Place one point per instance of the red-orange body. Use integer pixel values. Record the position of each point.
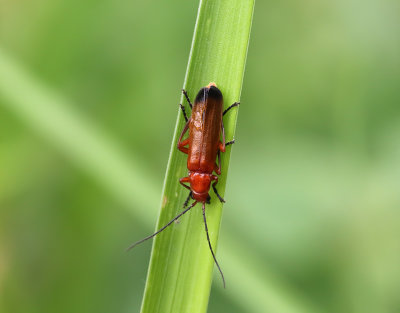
(204, 143)
(203, 147)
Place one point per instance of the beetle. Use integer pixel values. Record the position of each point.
(203, 147)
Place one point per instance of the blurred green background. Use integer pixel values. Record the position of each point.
(312, 219)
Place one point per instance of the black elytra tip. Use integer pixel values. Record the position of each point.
(210, 91)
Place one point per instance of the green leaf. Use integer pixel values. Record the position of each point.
(180, 273)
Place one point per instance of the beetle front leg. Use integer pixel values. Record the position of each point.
(187, 200)
(184, 180)
(215, 189)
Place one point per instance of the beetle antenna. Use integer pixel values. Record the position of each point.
(209, 243)
(160, 230)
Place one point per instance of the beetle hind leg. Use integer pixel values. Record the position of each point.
(182, 107)
(187, 97)
(183, 112)
(230, 107)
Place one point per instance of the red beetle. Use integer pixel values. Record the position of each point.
(203, 147)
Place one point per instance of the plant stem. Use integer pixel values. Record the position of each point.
(180, 272)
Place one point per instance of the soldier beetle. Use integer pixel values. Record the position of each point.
(203, 147)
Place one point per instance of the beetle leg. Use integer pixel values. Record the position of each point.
(217, 168)
(230, 142)
(187, 200)
(187, 97)
(215, 189)
(182, 144)
(184, 180)
(222, 144)
(183, 112)
(230, 107)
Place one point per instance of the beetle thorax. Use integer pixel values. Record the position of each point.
(200, 185)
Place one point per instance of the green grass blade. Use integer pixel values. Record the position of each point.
(181, 266)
